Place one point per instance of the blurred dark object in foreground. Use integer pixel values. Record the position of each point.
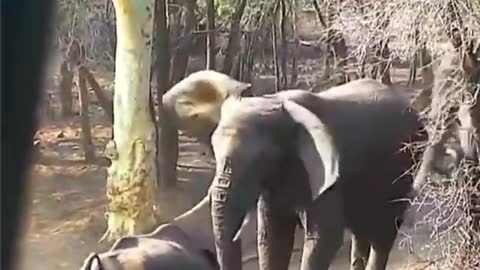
(25, 35)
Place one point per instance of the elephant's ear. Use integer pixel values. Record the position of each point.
(316, 149)
(201, 95)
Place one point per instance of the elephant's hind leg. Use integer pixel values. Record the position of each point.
(359, 253)
(324, 227)
(276, 233)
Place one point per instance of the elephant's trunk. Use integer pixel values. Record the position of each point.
(226, 221)
(426, 168)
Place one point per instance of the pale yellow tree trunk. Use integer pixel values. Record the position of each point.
(131, 181)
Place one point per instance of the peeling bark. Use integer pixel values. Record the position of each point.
(131, 182)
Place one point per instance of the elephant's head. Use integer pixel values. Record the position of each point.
(193, 104)
(469, 112)
(253, 138)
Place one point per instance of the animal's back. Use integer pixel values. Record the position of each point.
(156, 254)
(370, 121)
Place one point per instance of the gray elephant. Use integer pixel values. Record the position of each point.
(330, 160)
(455, 95)
(185, 243)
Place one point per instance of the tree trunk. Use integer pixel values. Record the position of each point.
(385, 63)
(276, 69)
(182, 52)
(131, 182)
(425, 68)
(234, 37)
(294, 75)
(284, 45)
(412, 74)
(340, 54)
(167, 136)
(88, 147)
(105, 102)
(211, 34)
(66, 83)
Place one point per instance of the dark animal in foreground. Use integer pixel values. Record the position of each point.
(331, 160)
(184, 244)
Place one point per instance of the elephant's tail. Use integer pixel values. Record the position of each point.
(89, 262)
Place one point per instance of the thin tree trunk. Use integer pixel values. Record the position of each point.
(211, 34)
(385, 63)
(234, 37)
(105, 102)
(362, 62)
(294, 76)
(168, 135)
(425, 68)
(86, 134)
(412, 75)
(112, 36)
(276, 68)
(182, 52)
(327, 47)
(66, 83)
(131, 181)
(248, 58)
(236, 71)
(284, 45)
(340, 55)
(47, 106)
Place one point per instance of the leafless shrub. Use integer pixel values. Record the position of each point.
(90, 22)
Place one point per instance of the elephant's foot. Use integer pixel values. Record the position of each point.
(359, 253)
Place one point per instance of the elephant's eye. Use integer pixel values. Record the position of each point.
(194, 116)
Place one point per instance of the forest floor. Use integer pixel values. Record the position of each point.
(67, 204)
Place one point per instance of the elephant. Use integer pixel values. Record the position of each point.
(330, 161)
(185, 243)
(455, 91)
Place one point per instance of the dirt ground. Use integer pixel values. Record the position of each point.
(66, 217)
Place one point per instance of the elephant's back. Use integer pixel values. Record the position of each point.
(171, 256)
(370, 123)
(157, 254)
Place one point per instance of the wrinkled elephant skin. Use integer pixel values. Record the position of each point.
(331, 160)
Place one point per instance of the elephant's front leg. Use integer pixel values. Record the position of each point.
(324, 227)
(276, 232)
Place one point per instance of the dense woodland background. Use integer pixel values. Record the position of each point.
(275, 45)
